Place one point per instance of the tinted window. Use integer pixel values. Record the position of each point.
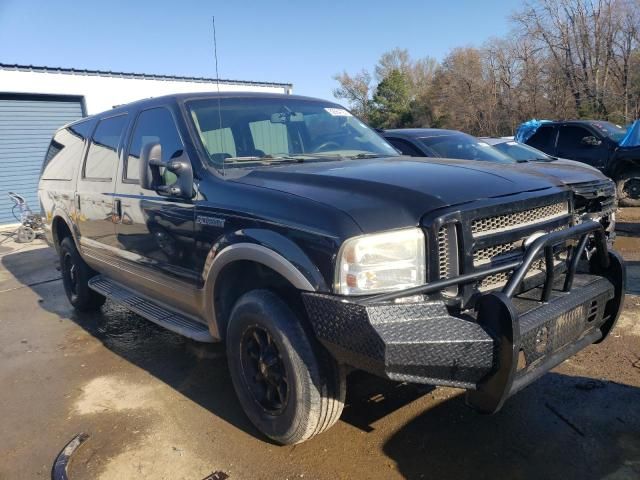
(542, 139)
(458, 145)
(405, 147)
(102, 158)
(65, 152)
(153, 126)
(522, 152)
(570, 138)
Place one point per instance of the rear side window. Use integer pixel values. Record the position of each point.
(102, 158)
(543, 139)
(155, 125)
(65, 152)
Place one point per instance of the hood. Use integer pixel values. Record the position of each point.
(409, 187)
(565, 171)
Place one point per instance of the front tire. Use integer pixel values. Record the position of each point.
(75, 278)
(288, 385)
(628, 187)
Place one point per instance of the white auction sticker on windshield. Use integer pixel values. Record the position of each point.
(512, 143)
(337, 112)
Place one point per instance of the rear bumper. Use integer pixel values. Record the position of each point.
(509, 342)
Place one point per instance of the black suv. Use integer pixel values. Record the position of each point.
(287, 228)
(596, 143)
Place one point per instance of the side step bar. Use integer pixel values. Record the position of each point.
(150, 310)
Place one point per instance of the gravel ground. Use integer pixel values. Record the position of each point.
(158, 406)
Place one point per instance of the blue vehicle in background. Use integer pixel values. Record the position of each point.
(612, 149)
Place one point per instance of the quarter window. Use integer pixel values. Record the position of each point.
(155, 125)
(65, 152)
(102, 158)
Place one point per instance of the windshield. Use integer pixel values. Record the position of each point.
(608, 129)
(245, 132)
(462, 146)
(522, 152)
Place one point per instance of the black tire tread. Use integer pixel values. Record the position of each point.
(326, 378)
(620, 182)
(87, 300)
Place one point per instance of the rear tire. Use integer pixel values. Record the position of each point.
(628, 188)
(288, 385)
(75, 278)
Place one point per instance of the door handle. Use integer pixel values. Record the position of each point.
(117, 210)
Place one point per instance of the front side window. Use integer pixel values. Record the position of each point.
(155, 125)
(254, 131)
(102, 158)
(571, 138)
(461, 146)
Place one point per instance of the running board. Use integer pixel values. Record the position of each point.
(150, 310)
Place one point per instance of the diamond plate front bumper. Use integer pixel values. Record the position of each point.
(509, 341)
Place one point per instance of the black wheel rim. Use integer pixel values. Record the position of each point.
(264, 370)
(632, 188)
(70, 272)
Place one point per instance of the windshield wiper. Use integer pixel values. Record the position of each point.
(362, 155)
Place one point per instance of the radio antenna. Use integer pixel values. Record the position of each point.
(215, 55)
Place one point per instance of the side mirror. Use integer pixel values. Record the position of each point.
(151, 174)
(591, 141)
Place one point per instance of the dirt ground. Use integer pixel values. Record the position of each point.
(158, 406)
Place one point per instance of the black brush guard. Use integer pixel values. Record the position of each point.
(512, 340)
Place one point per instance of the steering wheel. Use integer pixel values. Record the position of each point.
(324, 146)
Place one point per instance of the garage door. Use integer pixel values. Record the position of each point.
(27, 123)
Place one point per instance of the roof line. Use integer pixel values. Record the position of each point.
(142, 76)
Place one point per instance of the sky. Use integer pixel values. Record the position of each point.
(304, 43)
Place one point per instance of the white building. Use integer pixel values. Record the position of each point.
(35, 101)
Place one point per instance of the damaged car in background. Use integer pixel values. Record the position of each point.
(610, 148)
(594, 193)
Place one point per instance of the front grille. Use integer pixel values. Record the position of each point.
(545, 218)
(499, 223)
(448, 265)
(500, 279)
(486, 255)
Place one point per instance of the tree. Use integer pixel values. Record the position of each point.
(356, 91)
(392, 101)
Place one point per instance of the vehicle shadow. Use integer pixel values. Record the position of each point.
(559, 427)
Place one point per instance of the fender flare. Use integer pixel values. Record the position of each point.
(254, 252)
(64, 217)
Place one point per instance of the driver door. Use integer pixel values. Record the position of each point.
(581, 144)
(155, 233)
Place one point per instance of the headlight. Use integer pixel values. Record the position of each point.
(381, 262)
